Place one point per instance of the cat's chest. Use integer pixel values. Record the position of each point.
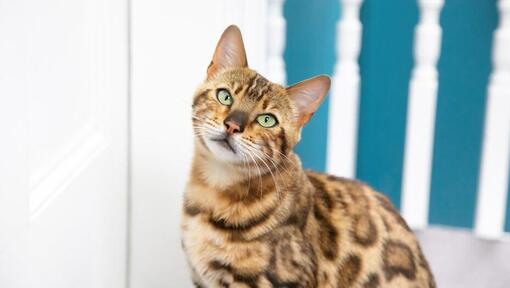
(212, 254)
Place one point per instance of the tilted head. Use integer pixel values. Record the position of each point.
(240, 117)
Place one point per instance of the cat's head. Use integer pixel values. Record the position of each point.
(241, 117)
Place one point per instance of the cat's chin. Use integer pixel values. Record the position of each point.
(223, 151)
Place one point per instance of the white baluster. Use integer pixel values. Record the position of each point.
(343, 105)
(493, 181)
(276, 39)
(421, 112)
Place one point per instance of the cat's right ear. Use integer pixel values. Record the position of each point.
(229, 52)
(307, 96)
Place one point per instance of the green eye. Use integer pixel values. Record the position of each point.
(224, 97)
(267, 120)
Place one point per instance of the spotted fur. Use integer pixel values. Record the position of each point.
(252, 217)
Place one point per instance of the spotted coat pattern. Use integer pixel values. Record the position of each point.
(281, 226)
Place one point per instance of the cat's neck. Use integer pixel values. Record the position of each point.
(215, 173)
(233, 196)
(221, 175)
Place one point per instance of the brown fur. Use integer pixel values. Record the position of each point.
(265, 222)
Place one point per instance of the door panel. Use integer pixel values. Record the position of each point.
(63, 165)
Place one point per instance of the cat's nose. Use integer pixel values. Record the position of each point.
(232, 127)
(236, 121)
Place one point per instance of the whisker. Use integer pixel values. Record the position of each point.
(258, 168)
(256, 154)
(271, 172)
(288, 160)
(244, 158)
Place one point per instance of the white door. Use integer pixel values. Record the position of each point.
(63, 143)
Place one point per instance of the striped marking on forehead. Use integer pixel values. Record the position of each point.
(258, 86)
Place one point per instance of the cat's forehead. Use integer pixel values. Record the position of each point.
(250, 86)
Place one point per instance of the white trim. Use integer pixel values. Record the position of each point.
(493, 181)
(421, 116)
(276, 42)
(343, 103)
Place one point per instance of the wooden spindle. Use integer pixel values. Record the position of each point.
(493, 181)
(343, 105)
(275, 42)
(421, 112)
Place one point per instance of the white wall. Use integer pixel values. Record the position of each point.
(172, 43)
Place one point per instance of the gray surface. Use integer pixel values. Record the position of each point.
(459, 259)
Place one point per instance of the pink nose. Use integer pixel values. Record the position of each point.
(232, 127)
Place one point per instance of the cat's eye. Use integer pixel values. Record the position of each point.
(267, 120)
(224, 97)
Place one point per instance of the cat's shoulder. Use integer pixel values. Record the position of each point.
(333, 178)
(351, 190)
(327, 181)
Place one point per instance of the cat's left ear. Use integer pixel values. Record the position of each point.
(229, 52)
(307, 96)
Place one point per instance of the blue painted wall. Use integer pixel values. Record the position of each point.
(386, 61)
(464, 68)
(310, 50)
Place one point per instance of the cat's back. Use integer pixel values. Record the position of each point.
(362, 238)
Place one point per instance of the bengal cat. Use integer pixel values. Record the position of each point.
(252, 217)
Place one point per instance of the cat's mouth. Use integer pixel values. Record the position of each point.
(225, 143)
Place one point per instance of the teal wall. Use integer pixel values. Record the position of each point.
(310, 50)
(464, 68)
(386, 61)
